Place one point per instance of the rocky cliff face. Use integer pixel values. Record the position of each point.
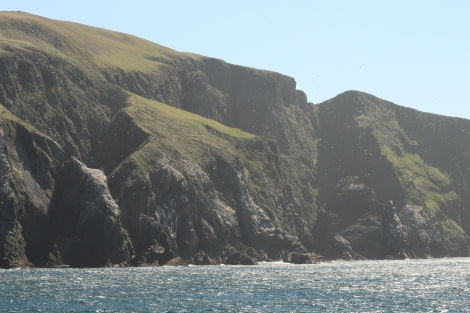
(114, 150)
(84, 219)
(13, 244)
(50, 214)
(28, 161)
(373, 158)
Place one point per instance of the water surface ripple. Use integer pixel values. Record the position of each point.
(439, 285)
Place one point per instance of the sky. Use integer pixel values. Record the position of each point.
(413, 53)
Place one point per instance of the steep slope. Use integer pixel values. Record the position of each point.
(83, 91)
(115, 150)
(377, 165)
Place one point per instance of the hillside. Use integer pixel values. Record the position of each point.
(116, 150)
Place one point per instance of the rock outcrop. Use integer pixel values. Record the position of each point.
(305, 258)
(13, 252)
(340, 248)
(383, 231)
(240, 258)
(28, 162)
(201, 258)
(412, 231)
(85, 219)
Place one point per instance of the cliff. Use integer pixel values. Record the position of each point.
(115, 150)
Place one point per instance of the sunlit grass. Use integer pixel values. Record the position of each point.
(453, 233)
(172, 129)
(421, 182)
(77, 42)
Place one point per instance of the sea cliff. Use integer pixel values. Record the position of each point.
(118, 151)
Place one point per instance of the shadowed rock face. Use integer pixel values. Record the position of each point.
(85, 219)
(27, 169)
(101, 163)
(11, 238)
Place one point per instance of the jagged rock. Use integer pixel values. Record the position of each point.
(27, 168)
(201, 258)
(340, 248)
(180, 186)
(177, 261)
(409, 231)
(257, 254)
(12, 252)
(394, 235)
(152, 245)
(155, 255)
(86, 219)
(420, 232)
(305, 258)
(240, 258)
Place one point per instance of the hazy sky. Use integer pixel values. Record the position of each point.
(413, 53)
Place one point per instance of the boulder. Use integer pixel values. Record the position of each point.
(240, 258)
(340, 248)
(201, 258)
(305, 258)
(176, 261)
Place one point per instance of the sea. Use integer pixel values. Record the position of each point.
(431, 285)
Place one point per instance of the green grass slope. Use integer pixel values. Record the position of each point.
(80, 43)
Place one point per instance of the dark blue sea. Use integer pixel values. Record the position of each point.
(438, 285)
